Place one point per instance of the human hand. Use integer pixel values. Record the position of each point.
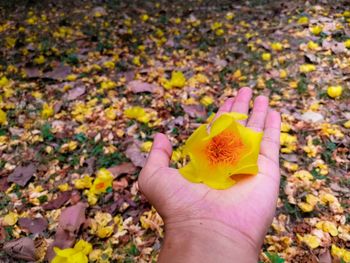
(206, 225)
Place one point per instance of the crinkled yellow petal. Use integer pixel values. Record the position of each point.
(217, 172)
(67, 252)
(189, 173)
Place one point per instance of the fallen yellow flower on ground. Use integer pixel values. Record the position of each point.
(137, 113)
(303, 20)
(229, 148)
(334, 91)
(3, 117)
(340, 253)
(266, 56)
(146, 146)
(10, 219)
(47, 111)
(316, 30)
(207, 100)
(328, 227)
(276, 46)
(104, 179)
(306, 68)
(177, 80)
(77, 254)
(310, 240)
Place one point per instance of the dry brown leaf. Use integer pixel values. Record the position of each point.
(22, 174)
(124, 168)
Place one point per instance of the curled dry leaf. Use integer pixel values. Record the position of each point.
(137, 86)
(58, 202)
(22, 174)
(35, 225)
(137, 157)
(22, 248)
(195, 111)
(75, 93)
(69, 224)
(58, 73)
(123, 168)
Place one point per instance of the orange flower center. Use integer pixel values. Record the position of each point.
(225, 147)
(100, 186)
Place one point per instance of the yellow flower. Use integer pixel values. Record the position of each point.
(3, 117)
(207, 100)
(310, 240)
(346, 43)
(10, 219)
(109, 64)
(346, 124)
(346, 13)
(316, 30)
(303, 20)
(303, 175)
(283, 74)
(82, 183)
(310, 148)
(177, 80)
(146, 146)
(108, 84)
(63, 187)
(230, 15)
(144, 17)
(266, 56)
(334, 91)
(288, 142)
(328, 227)
(71, 77)
(305, 207)
(306, 68)
(104, 179)
(341, 253)
(47, 111)
(110, 113)
(137, 113)
(136, 61)
(177, 155)
(4, 81)
(219, 32)
(228, 149)
(293, 84)
(276, 46)
(103, 232)
(78, 254)
(216, 25)
(312, 45)
(39, 60)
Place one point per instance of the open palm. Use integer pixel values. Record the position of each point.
(246, 209)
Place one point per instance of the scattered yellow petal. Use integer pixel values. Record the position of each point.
(146, 146)
(207, 100)
(306, 68)
(303, 20)
(334, 91)
(266, 56)
(10, 219)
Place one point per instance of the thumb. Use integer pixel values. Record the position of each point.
(159, 156)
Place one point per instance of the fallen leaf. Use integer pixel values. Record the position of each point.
(137, 157)
(137, 86)
(22, 174)
(58, 73)
(69, 224)
(58, 202)
(123, 168)
(33, 72)
(35, 225)
(195, 111)
(75, 93)
(22, 248)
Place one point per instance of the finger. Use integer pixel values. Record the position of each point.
(226, 107)
(257, 118)
(270, 144)
(241, 102)
(159, 155)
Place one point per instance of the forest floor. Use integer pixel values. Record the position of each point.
(69, 70)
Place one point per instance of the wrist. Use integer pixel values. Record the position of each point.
(203, 240)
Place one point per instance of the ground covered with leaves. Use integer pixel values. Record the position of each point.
(84, 86)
